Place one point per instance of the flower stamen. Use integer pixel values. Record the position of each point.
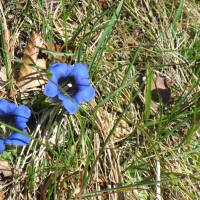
(68, 85)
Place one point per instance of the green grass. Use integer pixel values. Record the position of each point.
(113, 147)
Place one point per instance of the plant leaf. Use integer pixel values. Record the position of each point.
(31, 74)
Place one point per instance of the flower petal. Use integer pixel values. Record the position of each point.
(82, 81)
(17, 139)
(2, 146)
(70, 105)
(60, 70)
(6, 107)
(22, 116)
(51, 88)
(23, 111)
(85, 93)
(80, 73)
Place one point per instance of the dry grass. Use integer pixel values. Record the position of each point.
(114, 148)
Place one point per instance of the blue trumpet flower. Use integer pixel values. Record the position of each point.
(69, 85)
(16, 116)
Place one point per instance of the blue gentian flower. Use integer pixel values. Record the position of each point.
(16, 116)
(69, 85)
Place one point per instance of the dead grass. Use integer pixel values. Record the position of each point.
(140, 158)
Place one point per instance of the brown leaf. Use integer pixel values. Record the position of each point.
(160, 92)
(43, 188)
(5, 168)
(57, 48)
(30, 74)
(2, 196)
(9, 43)
(2, 74)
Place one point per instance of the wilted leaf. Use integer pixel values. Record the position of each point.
(2, 75)
(5, 168)
(43, 189)
(7, 46)
(56, 50)
(2, 82)
(1, 196)
(160, 92)
(31, 74)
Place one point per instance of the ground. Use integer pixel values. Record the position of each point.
(139, 138)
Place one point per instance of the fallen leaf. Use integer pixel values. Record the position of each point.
(160, 92)
(5, 168)
(56, 48)
(43, 188)
(31, 74)
(8, 50)
(2, 82)
(2, 76)
(1, 196)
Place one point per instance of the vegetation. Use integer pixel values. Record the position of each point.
(140, 137)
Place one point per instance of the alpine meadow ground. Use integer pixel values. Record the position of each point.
(139, 138)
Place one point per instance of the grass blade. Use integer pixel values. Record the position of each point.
(104, 38)
(177, 17)
(148, 93)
